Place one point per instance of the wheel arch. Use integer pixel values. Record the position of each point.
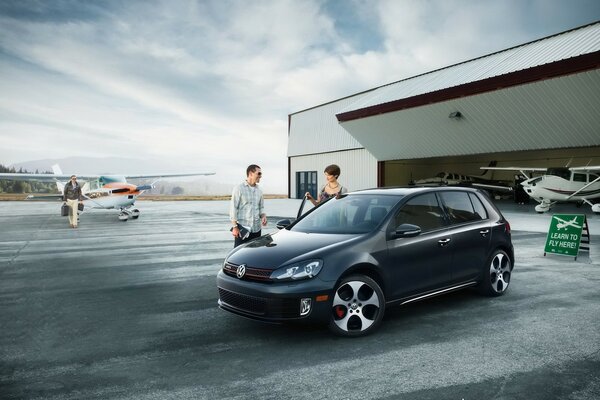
(366, 269)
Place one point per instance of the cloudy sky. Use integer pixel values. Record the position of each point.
(208, 85)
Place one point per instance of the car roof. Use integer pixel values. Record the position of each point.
(404, 191)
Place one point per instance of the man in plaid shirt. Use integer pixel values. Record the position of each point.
(246, 210)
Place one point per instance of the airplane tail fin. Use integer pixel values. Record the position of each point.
(492, 164)
(57, 171)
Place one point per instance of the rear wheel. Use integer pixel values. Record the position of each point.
(496, 274)
(358, 306)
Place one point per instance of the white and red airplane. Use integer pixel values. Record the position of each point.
(99, 191)
(563, 184)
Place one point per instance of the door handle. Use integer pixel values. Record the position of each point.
(484, 232)
(443, 242)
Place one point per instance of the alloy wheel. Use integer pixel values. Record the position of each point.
(358, 306)
(500, 272)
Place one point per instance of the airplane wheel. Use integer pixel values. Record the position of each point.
(135, 213)
(123, 217)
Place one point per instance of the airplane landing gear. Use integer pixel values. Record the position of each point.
(542, 207)
(125, 214)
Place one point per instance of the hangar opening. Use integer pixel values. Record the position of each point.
(402, 172)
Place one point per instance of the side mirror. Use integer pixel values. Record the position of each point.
(407, 230)
(282, 223)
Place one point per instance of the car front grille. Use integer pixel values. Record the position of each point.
(261, 306)
(252, 274)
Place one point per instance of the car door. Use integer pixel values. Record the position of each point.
(421, 263)
(471, 233)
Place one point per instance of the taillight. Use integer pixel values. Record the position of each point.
(506, 227)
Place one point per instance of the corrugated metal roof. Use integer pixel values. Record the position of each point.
(317, 130)
(577, 42)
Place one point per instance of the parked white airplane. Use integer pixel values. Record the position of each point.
(100, 191)
(575, 184)
(480, 181)
(563, 224)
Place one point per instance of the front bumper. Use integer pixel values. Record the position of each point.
(276, 302)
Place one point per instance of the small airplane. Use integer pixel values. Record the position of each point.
(454, 179)
(99, 191)
(563, 224)
(562, 184)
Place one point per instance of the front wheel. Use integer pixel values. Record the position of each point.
(496, 274)
(357, 307)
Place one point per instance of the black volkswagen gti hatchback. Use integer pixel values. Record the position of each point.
(345, 261)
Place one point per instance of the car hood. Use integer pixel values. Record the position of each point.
(282, 247)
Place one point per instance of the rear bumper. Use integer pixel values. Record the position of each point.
(275, 302)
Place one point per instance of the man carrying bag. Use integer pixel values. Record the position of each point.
(72, 197)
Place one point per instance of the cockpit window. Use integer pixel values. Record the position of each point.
(579, 177)
(564, 173)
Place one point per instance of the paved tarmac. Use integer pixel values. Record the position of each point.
(118, 310)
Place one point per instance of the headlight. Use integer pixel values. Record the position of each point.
(301, 270)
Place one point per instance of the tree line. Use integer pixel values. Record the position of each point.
(7, 186)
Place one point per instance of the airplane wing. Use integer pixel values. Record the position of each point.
(516, 168)
(63, 177)
(593, 168)
(158, 176)
(45, 197)
(523, 170)
(497, 188)
(44, 177)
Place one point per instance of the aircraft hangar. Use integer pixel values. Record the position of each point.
(536, 104)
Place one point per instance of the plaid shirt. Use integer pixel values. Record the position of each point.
(247, 205)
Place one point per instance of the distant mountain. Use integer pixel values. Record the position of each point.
(107, 165)
(199, 186)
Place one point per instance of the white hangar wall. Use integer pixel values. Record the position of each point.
(358, 169)
(316, 140)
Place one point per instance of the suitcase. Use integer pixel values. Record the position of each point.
(64, 210)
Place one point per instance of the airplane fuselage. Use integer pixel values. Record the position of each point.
(114, 193)
(555, 188)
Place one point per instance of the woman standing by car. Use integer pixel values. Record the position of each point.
(332, 188)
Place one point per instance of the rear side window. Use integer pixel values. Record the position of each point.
(478, 206)
(460, 208)
(423, 211)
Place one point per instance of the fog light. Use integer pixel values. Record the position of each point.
(305, 305)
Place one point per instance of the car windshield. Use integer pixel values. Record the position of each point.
(350, 214)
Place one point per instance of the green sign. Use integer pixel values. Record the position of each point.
(564, 235)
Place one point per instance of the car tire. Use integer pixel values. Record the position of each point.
(496, 274)
(357, 307)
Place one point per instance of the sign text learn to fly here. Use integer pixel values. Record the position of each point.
(564, 234)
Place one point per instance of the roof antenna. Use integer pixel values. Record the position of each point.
(569, 163)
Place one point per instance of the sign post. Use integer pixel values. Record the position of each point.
(564, 235)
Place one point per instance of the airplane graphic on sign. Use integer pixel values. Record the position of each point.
(562, 224)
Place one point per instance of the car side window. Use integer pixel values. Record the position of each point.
(423, 211)
(459, 207)
(478, 206)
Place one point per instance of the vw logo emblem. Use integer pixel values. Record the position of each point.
(241, 271)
